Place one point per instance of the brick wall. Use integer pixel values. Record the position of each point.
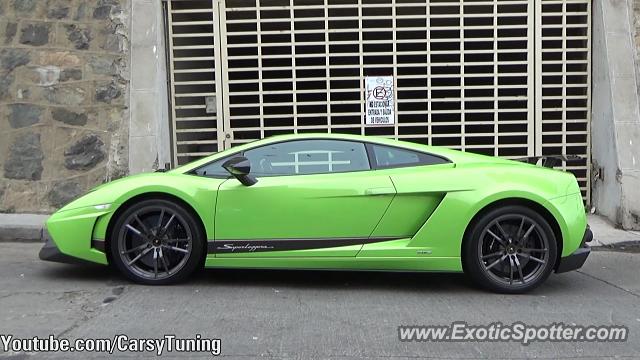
(63, 99)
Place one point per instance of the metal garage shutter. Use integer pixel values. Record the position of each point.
(194, 68)
(501, 77)
(460, 67)
(563, 84)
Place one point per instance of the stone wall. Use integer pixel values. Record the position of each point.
(64, 71)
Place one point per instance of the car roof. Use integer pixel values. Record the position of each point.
(436, 150)
(347, 137)
(452, 155)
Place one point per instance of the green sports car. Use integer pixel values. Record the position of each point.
(323, 201)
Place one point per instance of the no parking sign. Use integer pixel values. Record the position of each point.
(380, 108)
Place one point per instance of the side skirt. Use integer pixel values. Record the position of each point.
(437, 264)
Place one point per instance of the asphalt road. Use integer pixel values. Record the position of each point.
(304, 314)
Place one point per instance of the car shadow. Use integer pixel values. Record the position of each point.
(265, 278)
(432, 282)
(335, 280)
(81, 273)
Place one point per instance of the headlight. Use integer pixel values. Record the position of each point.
(102, 206)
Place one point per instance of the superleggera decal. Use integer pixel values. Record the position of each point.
(244, 246)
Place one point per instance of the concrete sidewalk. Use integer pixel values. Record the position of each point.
(605, 234)
(21, 227)
(28, 228)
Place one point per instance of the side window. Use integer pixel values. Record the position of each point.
(214, 169)
(388, 157)
(308, 157)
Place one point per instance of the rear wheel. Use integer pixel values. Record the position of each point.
(511, 249)
(156, 242)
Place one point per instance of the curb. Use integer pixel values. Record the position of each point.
(20, 234)
(632, 246)
(21, 227)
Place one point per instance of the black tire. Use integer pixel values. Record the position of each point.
(510, 249)
(156, 242)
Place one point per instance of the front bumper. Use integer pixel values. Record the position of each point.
(578, 257)
(50, 252)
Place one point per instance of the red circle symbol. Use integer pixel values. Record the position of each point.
(380, 93)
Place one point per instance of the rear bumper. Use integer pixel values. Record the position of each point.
(578, 257)
(50, 252)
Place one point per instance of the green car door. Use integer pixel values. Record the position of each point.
(312, 198)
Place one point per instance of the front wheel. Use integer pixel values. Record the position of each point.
(156, 242)
(511, 249)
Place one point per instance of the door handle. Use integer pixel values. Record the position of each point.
(380, 191)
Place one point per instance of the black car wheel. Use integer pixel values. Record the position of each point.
(511, 249)
(156, 242)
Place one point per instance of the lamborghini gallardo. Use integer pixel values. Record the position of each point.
(339, 202)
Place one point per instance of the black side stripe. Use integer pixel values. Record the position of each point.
(245, 246)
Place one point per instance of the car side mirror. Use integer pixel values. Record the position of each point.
(240, 167)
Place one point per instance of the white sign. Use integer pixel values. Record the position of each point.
(380, 108)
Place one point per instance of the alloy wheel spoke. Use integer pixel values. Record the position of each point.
(155, 263)
(496, 262)
(530, 250)
(504, 233)
(160, 219)
(135, 231)
(175, 248)
(529, 231)
(519, 267)
(492, 255)
(520, 228)
(143, 246)
(145, 229)
(510, 270)
(537, 260)
(166, 226)
(143, 253)
(164, 262)
(531, 257)
(178, 240)
(497, 238)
